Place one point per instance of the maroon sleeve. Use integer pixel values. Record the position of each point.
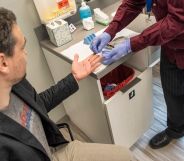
(126, 13)
(164, 30)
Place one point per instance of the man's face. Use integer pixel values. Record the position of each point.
(17, 62)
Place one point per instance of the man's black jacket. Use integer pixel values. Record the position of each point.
(16, 142)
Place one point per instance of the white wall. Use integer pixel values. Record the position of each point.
(38, 72)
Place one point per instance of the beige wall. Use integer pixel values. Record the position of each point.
(38, 72)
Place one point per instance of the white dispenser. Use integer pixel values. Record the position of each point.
(53, 9)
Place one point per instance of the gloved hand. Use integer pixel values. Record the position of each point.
(100, 42)
(120, 50)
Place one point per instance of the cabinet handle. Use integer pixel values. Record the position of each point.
(130, 85)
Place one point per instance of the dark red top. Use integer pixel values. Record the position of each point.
(168, 31)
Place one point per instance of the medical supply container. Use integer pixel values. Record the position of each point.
(53, 9)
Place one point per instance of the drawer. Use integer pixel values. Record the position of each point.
(129, 112)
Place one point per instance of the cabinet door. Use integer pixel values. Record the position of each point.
(129, 112)
(152, 53)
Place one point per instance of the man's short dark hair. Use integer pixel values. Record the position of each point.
(7, 41)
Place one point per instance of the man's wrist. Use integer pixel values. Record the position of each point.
(75, 77)
(128, 45)
(107, 35)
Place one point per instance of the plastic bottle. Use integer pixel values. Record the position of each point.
(84, 11)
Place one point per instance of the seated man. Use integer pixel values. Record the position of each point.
(26, 132)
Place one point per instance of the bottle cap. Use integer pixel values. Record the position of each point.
(83, 4)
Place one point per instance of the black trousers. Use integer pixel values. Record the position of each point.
(172, 79)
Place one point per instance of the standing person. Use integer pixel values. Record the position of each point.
(168, 32)
(26, 132)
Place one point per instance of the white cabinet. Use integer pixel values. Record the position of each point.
(138, 25)
(121, 119)
(129, 112)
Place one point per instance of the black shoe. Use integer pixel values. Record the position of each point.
(160, 140)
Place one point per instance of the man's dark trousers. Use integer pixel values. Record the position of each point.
(172, 79)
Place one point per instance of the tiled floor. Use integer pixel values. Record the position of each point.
(172, 152)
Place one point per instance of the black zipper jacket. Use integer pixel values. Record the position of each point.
(16, 142)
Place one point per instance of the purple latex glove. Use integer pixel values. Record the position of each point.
(100, 42)
(120, 50)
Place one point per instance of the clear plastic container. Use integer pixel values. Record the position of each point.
(52, 9)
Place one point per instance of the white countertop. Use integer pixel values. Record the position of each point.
(68, 50)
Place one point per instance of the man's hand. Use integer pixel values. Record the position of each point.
(82, 69)
(120, 50)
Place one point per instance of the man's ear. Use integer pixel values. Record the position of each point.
(3, 64)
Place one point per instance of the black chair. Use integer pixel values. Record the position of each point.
(65, 125)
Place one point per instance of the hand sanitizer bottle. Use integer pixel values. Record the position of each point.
(84, 11)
